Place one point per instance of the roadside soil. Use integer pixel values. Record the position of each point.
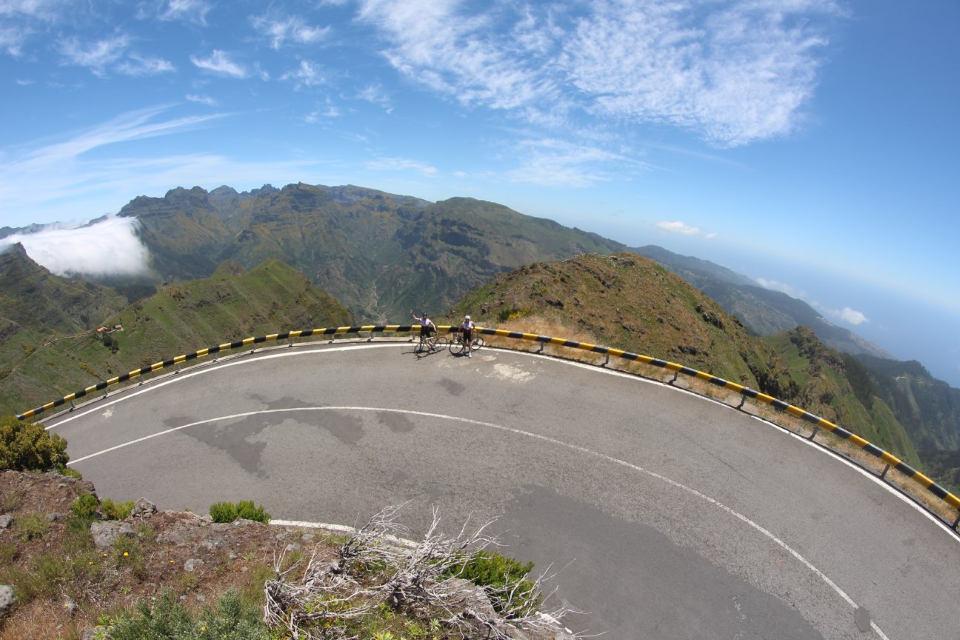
(67, 583)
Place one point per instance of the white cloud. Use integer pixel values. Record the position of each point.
(554, 162)
(678, 227)
(186, 10)
(848, 315)
(137, 65)
(331, 111)
(56, 176)
(108, 248)
(733, 71)
(97, 56)
(401, 164)
(853, 317)
(219, 62)
(790, 290)
(202, 99)
(307, 75)
(290, 28)
(374, 94)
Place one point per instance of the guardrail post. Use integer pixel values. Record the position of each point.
(816, 430)
(72, 406)
(289, 345)
(955, 523)
(178, 369)
(607, 361)
(743, 399)
(540, 350)
(884, 474)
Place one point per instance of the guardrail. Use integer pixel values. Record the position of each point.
(888, 458)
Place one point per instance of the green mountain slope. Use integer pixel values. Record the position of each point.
(231, 304)
(635, 304)
(822, 377)
(378, 253)
(763, 311)
(927, 407)
(33, 297)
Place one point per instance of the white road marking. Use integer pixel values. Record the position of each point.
(534, 436)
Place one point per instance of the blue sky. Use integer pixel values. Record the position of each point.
(811, 144)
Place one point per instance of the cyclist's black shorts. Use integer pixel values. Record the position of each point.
(467, 335)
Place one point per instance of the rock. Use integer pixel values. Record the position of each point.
(191, 565)
(53, 517)
(143, 508)
(104, 533)
(94, 634)
(293, 547)
(6, 521)
(7, 599)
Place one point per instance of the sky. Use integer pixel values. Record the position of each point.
(809, 144)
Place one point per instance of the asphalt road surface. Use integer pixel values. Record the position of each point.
(671, 516)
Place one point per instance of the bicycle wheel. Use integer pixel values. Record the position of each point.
(441, 344)
(456, 345)
(477, 343)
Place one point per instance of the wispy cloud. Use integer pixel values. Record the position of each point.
(554, 162)
(52, 175)
(782, 287)
(96, 56)
(678, 227)
(734, 72)
(308, 74)
(291, 28)
(402, 164)
(461, 55)
(220, 63)
(848, 315)
(374, 94)
(202, 99)
(139, 66)
(194, 11)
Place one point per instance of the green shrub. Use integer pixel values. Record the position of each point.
(168, 619)
(500, 575)
(246, 509)
(85, 506)
(223, 512)
(116, 510)
(26, 446)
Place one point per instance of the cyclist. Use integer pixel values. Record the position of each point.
(427, 328)
(466, 328)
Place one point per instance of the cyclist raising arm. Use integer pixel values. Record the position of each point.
(426, 324)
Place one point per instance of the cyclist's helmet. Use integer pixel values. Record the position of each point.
(466, 317)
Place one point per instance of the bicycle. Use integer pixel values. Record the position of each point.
(430, 344)
(457, 346)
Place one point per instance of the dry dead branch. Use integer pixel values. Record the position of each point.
(375, 568)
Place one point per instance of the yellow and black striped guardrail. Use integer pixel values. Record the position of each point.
(747, 392)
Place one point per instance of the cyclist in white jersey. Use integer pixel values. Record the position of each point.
(466, 328)
(426, 324)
